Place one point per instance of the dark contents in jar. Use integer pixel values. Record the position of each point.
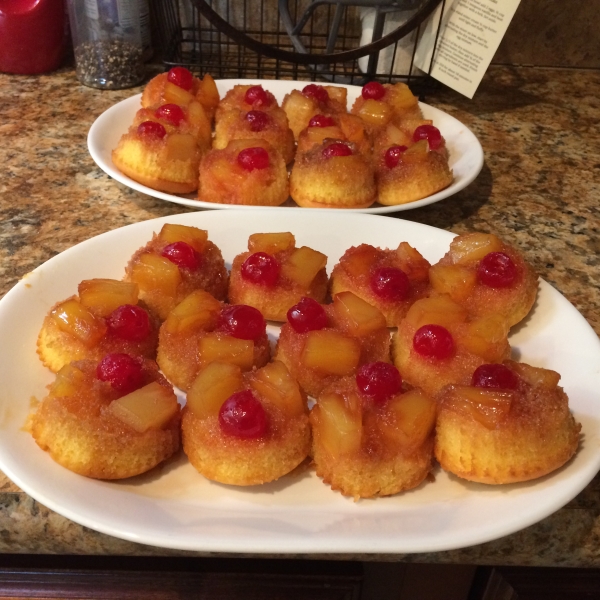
(109, 64)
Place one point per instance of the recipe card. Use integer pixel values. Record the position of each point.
(469, 35)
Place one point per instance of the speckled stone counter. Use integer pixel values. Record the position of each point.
(538, 189)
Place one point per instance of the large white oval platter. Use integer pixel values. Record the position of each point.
(175, 507)
(466, 154)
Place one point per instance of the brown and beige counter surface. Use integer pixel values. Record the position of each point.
(538, 189)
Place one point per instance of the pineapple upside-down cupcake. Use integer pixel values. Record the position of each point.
(486, 276)
(510, 423)
(245, 428)
(201, 330)
(438, 343)
(370, 437)
(174, 263)
(245, 172)
(104, 317)
(111, 419)
(274, 274)
(389, 279)
(321, 343)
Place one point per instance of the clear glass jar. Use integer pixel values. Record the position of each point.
(108, 42)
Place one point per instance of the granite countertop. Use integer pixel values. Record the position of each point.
(538, 190)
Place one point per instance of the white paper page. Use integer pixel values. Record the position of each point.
(470, 34)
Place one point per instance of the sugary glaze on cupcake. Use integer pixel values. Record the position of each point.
(174, 263)
(321, 343)
(333, 175)
(246, 172)
(274, 274)
(162, 153)
(301, 106)
(180, 86)
(371, 438)
(389, 279)
(381, 104)
(271, 126)
(438, 343)
(245, 428)
(405, 173)
(340, 126)
(487, 276)
(246, 97)
(105, 317)
(512, 424)
(110, 419)
(201, 330)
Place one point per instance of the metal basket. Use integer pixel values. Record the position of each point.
(343, 41)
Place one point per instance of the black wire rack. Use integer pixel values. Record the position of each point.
(340, 41)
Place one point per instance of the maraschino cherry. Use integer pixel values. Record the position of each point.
(495, 376)
(307, 315)
(433, 341)
(430, 133)
(181, 77)
(242, 322)
(337, 149)
(171, 113)
(261, 268)
(316, 92)
(257, 97)
(123, 372)
(392, 155)
(152, 129)
(378, 381)
(243, 416)
(183, 255)
(321, 121)
(129, 322)
(253, 158)
(389, 283)
(258, 120)
(497, 270)
(373, 91)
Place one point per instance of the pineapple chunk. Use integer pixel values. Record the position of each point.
(153, 272)
(396, 136)
(303, 265)
(473, 247)
(174, 94)
(275, 383)
(73, 318)
(487, 406)
(102, 296)
(330, 352)
(198, 310)
(212, 386)
(455, 280)
(150, 407)
(193, 236)
(536, 376)
(68, 381)
(218, 347)
(409, 418)
(340, 429)
(438, 310)
(484, 335)
(356, 316)
(375, 112)
(201, 124)
(358, 263)
(337, 93)
(401, 97)
(208, 94)
(181, 146)
(416, 153)
(271, 242)
(411, 261)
